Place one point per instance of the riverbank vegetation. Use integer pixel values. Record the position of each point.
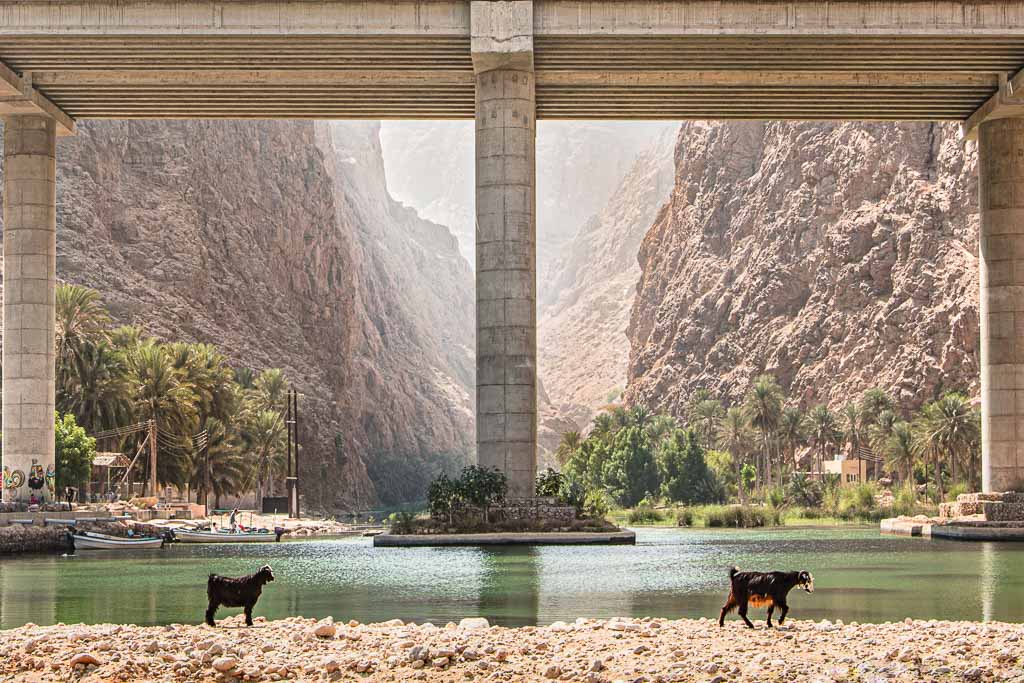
(110, 378)
(764, 458)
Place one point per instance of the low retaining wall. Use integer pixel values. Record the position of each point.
(545, 538)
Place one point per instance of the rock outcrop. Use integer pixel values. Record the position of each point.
(592, 288)
(278, 242)
(836, 257)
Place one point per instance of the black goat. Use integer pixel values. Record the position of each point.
(243, 591)
(763, 589)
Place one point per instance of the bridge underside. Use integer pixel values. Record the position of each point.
(505, 64)
(597, 77)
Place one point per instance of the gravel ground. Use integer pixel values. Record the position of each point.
(644, 650)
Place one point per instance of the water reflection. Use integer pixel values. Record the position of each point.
(859, 576)
(510, 585)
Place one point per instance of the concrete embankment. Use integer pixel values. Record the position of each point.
(388, 540)
(591, 651)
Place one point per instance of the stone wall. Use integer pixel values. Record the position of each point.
(994, 507)
(537, 508)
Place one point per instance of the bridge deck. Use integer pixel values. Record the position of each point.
(617, 60)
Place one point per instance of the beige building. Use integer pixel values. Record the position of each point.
(851, 470)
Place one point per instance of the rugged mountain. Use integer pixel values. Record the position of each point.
(278, 241)
(593, 286)
(837, 257)
(579, 164)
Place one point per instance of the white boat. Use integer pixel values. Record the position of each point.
(185, 536)
(89, 540)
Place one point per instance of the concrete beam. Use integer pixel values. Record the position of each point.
(776, 17)
(752, 79)
(238, 17)
(1008, 102)
(18, 97)
(146, 78)
(501, 34)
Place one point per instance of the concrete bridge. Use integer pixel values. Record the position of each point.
(505, 64)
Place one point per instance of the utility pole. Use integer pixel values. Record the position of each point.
(152, 458)
(206, 475)
(295, 430)
(289, 480)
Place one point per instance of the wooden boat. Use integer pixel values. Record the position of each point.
(89, 540)
(189, 536)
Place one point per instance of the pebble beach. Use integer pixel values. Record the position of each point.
(594, 651)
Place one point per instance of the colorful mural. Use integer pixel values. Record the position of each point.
(36, 476)
(13, 479)
(51, 479)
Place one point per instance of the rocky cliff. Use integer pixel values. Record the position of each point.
(836, 257)
(278, 241)
(592, 287)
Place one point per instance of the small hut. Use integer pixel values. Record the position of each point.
(103, 466)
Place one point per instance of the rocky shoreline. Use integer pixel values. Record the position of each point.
(593, 651)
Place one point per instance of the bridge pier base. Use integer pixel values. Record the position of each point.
(1001, 265)
(30, 270)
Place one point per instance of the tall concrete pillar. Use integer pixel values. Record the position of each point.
(1001, 259)
(30, 269)
(506, 271)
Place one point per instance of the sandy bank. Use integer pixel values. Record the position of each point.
(648, 650)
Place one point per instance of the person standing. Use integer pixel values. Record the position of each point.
(233, 521)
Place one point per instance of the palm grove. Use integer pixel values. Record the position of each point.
(110, 376)
(765, 447)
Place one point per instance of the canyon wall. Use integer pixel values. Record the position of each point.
(278, 242)
(837, 257)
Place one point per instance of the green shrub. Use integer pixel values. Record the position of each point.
(742, 517)
(596, 504)
(957, 489)
(775, 497)
(645, 514)
(549, 484)
(402, 522)
(684, 517)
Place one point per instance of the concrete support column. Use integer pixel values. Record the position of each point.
(1001, 260)
(506, 276)
(30, 269)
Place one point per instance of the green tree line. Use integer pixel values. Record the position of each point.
(109, 377)
(720, 449)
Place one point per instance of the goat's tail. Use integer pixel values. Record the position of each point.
(732, 571)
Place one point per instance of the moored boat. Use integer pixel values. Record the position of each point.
(188, 536)
(90, 540)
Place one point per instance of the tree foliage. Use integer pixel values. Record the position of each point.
(74, 451)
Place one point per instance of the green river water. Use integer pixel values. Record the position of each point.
(859, 575)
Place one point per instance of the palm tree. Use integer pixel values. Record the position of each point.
(735, 437)
(80, 320)
(793, 432)
(824, 433)
(855, 428)
(640, 416)
(950, 427)
(604, 426)
(704, 417)
(159, 391)
(879, 432)
(95, 389)
(271, 387)
(763, 406)
(568, 445)
(221, 463)
(264, 435)
(873, 404)
(659, 427)
(900, 449)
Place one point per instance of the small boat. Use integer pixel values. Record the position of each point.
(89, 540)
(262, 536)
